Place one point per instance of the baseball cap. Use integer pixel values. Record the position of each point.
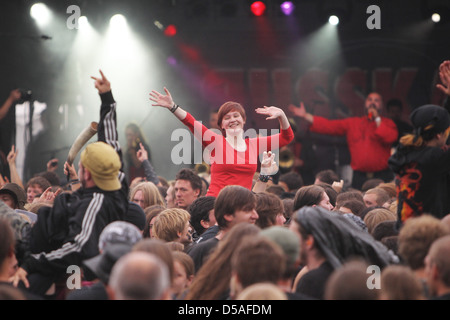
(17, 192)
(430, 114)
(286, 239)
(119, 232)
(104, 164)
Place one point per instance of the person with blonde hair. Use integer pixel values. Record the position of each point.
(376, 197)
(377, 215)
(146, 194)
(173, 225)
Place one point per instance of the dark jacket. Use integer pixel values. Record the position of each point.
(68, 233)
(422, 181)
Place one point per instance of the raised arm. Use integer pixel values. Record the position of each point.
(142, 156)
(268, 168)
(107, 126)
(13, 97)
(275, 113)
(198, 129)
(279, 140)
(11, 158)
(444, 75)
(301, 112)
(166, 101)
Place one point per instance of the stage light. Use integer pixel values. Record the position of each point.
(333, 20)
(40, 13)
(436, 17)
(170, 30)
(287, 7)
(258, 8)
(83, 22)
(118, 21)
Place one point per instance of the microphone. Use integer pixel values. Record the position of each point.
(370, 112)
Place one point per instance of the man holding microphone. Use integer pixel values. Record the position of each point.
(369, 138)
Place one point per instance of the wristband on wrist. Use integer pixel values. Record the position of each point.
(264, 178)
(175, 107)
(74, 181)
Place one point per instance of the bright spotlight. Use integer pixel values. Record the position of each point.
(333, 20)
(436, 17)
(83, 22)
(118, 21)
(40, 13)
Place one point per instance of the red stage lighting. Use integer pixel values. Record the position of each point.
(258, 8)
(170, 30)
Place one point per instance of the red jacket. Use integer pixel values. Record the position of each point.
(369, 145)
(230, 167)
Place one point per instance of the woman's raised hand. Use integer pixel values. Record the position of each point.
(270, 112)
(161, 100)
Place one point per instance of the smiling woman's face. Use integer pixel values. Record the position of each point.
(233, 121)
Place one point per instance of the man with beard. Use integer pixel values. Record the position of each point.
(369, 138)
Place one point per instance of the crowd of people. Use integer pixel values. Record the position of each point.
(234, 232)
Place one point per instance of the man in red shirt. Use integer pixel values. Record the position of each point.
(369, 138)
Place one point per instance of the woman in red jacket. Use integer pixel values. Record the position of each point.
(234, 158)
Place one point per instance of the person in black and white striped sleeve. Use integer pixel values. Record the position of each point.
(68, 233)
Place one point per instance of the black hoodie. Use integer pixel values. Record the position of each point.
(422, 181)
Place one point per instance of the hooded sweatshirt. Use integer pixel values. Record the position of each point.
(422, 181)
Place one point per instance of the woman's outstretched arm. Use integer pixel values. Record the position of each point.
(166, 101)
